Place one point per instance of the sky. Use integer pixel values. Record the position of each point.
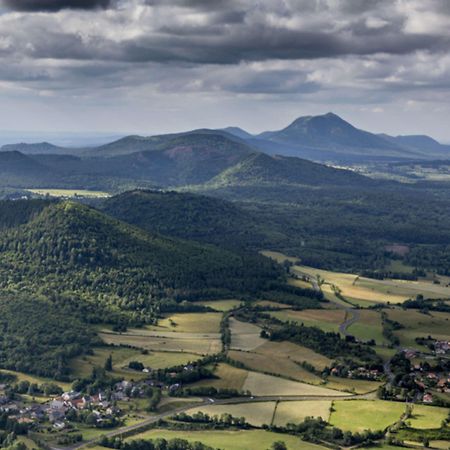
(156, 66)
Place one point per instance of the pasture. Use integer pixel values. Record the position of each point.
(360, 415)
(230, 440)
(427, 417)
(297, 412)
(221, 305)
(417, 324)
(245, 336)
(20, 376)
(255, 413)
(368, 327)
(196, 343)
(282, 358)
(353, 386)
(361, 289)
(266, 385)
(70, 193)
(228, 377)
(325, 319)
(189, 323)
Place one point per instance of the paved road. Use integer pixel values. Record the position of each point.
(353, 315)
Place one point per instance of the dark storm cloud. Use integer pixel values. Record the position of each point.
(54, 5)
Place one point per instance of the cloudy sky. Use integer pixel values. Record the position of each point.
(153, 66)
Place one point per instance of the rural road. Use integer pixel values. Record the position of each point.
(206, 402)
(354, 316)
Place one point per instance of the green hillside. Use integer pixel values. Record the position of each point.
(260, 169)
(191, 216)
(73, 250)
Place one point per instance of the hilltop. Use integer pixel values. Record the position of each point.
(70, 249)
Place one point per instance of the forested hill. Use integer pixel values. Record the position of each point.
(190, 216)
(73, 249)
(260, 169)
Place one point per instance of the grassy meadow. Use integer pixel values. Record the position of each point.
(189, 323)
(245, 336)
(325, 319)
(230, 440)
(360, 415)
(70, 193)
(298, 411)
(267, 385)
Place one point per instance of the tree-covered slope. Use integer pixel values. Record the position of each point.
(73, 249)
(190, 216)
(40, 337)
(260, 169)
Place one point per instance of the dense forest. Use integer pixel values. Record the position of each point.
(71, 248)
(39, 336)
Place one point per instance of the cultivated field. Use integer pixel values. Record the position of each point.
(189, 323)
(256, 413)
(228, 377)
(230, 440)
(358, 289)
(368, 327)
(221, 305)
(325, 319)
(360, 415)
(266, 385)
(245, 336)
(20, 376)
(197, 343)
(282, 358)
(280, 257)
(297, 412)
(424, 417)
(436, 324)
(353, 386)
(69, 193)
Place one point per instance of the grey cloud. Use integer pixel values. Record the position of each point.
(54, 5)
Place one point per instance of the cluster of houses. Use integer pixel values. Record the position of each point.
(441, 347)
(358, 373)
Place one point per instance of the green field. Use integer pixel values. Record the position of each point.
(255, 413)
(356, 288)
(228, 377)
(353, 386)
(230, 440)
(297, 412)
(360, 415)
(69, 193)
(221, 305)
(436, 324)
(20, 376)
(325, 319)
(189, 323)
(245, 336)
(368, 327)
(166, 341)
(262, 385)
(282, 358)
(424, 417)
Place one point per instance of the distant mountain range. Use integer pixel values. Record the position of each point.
(324, 138)
(330, 138)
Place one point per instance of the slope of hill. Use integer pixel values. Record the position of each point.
(422, 143)
(40, 148)
(238, 132)
(73, 250)
(260, 169)
(16, 167)
(328, 137)
(190, 216)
